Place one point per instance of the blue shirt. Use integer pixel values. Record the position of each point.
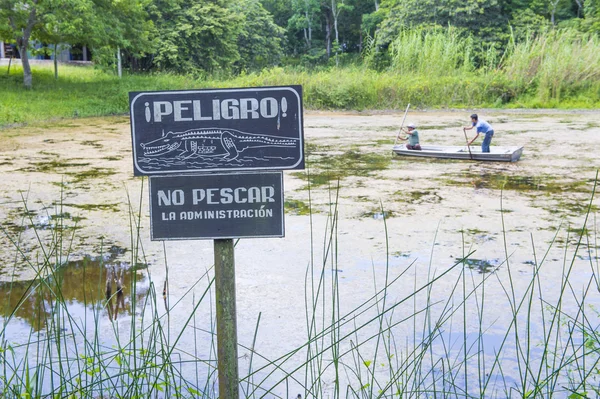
(483, 127)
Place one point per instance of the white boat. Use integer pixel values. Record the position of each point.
(506, 154)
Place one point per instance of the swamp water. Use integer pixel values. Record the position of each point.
(90, 288)
(491, 269)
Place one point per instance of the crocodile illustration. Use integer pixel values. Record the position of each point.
(212, 142)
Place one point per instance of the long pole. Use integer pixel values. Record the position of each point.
(402, 125)
(227, 354)
(467, 140)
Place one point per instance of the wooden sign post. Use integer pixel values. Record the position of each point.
(226, 319)
(201, 149)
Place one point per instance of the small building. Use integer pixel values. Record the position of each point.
(66, 52)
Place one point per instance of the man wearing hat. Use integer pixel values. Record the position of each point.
(481, 126)
(413, 137)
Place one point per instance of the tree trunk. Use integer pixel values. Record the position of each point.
(27, 78)
(119, 67)
(554, 6)
(335, 14)
(23, 44)
(579, 8)
(309, 23)
(306, 38)
(55, 62)
(328, 34)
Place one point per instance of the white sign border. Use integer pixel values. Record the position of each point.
(187, 171)
(280, 173)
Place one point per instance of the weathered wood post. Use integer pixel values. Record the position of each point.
(249, 136)
(226, 319)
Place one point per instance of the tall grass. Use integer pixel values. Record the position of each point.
(421, 332)
(557, 64)
(433, 53)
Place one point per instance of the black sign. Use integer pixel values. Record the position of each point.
(217, 130)
(216, 206)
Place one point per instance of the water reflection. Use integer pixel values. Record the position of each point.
(379, 215)
(81, 287)
(481, 265)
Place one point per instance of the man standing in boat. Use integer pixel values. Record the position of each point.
(481, 126)
(413, 137)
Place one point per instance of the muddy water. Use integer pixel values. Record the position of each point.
(82, 284)
(77, 176)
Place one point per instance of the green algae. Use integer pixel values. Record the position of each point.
(297, 207)
(418, 196)
(39, 220)
(329, 168)
(96, 173)
(52, 166)
(92, 143)
(114, 207)
(500, 181)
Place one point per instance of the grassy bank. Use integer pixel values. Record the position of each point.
(428, 70)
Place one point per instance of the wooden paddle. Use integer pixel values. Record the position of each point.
(470, 155)
(402, 125)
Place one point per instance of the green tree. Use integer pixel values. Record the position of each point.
(260, 39)
(99, 23)
(120, 25)
(527, 23)
(591, 12)
(282, 12)
(305, 18)
(555, 10)
(357, 22)
(484, 18)
(335, 8)
(195, 35)
(65, 22)
(20, 20)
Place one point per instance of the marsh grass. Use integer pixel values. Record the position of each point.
(422, 331)
(556, 64)
(433, 52)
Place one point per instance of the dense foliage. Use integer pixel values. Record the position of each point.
(519, 47)
(209, 35)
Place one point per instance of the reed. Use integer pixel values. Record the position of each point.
(437, 52)
(555, 64)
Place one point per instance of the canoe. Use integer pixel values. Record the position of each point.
(506, 154)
